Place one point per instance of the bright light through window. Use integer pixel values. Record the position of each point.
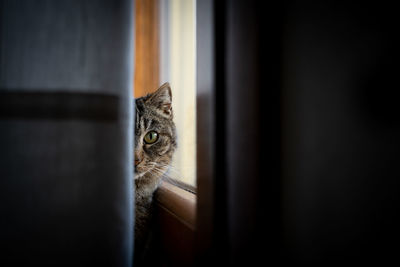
(178, 66)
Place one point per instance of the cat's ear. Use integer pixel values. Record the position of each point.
(162, 100)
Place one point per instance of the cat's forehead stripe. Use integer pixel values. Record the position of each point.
(147, 123)
(137, 117)
(141, 123)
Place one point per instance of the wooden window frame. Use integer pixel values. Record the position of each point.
(147, 57)
(175, 213)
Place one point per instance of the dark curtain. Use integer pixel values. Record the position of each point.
(65, 133)
(306, 134)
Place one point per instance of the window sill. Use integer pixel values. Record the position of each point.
(179, 202)
(175, 212)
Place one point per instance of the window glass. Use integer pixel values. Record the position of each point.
(178, 67)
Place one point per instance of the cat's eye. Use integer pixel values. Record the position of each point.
(151, 137)
(166, 37)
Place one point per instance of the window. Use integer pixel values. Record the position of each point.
(166, 52)
(178, 60)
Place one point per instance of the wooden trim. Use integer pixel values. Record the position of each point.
(147, 55)
(179, 202)
(175, 214)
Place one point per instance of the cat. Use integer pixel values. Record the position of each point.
(155, 144)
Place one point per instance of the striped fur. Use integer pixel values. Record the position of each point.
(153, 113)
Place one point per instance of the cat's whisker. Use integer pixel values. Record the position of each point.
(168, 170)
(169, 166)
(159, 166)
(167, 177)
(158, 170)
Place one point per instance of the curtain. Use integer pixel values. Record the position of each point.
(65, 133)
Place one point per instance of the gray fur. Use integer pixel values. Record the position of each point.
(153, 113)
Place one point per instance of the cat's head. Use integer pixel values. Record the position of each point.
(155, 134)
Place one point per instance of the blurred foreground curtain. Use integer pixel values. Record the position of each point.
(305, 128)
(65, 145)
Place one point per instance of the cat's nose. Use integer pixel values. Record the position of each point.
(138, 159)
(137, 162)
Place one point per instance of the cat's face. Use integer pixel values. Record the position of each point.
(155, 135)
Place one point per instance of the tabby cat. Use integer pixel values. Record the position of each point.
(155, 143)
